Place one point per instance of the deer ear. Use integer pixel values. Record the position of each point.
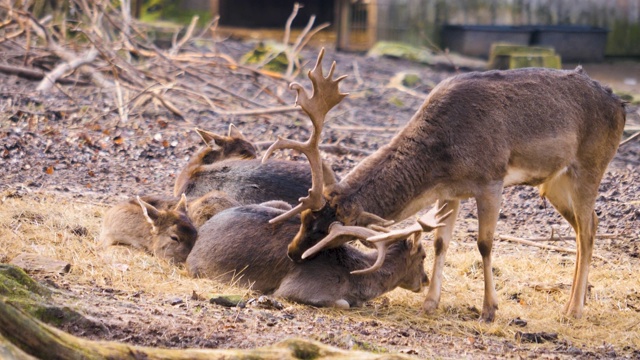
(212, 140)
(151, 214)
(235, 133)
(413, 242)
(367, 218)
(328, 176)
(181, 206)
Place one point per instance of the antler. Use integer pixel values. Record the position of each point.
(325, 96)
(427, 222)
(381, 239)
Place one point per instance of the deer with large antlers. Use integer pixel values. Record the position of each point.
(475, 134)
(330, 279)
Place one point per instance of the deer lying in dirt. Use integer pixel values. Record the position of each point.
(163, 226)
(329, 279)
(217, 148)
(475, 134)
(228, 164)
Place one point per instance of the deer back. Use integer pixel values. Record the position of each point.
(218, 147)
(250, 181)
(158, 225)
(239, 245)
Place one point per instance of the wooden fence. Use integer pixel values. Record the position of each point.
(419, 22)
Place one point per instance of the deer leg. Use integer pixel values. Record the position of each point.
(575, 204)
(488, 211)
(441, 244)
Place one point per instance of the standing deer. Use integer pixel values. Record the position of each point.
(475, 134)
(329, 279)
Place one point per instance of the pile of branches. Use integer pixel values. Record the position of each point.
(99, 44)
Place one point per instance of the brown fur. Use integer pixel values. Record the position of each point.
(166, 232)
(252, 182)
(475, 134)
(173, 232)
(260, 262)
(218, 148)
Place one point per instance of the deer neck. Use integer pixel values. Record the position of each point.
(398, 179)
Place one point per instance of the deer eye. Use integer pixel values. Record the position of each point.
(175, 238)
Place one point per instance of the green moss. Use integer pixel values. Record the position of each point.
(155, 10)
(15, 283)
(260, 53)
(35, 299)
(534, 60)
(501, 56)
(623, 38)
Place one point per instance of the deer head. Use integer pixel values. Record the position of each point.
(218, 148)
(155, 224)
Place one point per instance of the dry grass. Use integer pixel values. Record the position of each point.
(532, 284)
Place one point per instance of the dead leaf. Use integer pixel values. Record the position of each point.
(49, 170)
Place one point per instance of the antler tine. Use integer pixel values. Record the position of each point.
(325, 96)
(338, 235)
(427, 222)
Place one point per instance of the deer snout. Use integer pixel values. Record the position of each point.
(294, 253)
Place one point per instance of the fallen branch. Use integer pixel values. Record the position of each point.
(569, 238)
(543, 246)
(630, 138)
(271, 110)
(49, 79)
(32, 74)
(336, 149)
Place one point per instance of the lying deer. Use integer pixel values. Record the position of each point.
(228, 164)
(155, 224)
(329, 279)
(475, 134)
(217, 148)
(162, 226)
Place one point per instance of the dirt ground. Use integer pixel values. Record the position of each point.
(75, 149)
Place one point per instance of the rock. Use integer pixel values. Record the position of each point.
(227, 300)
(40, 264)
(538, 338)
(265, 302)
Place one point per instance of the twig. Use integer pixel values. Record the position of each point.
(32, 74)
(337, 149)
(363, 128)
(271, 110)
(630, 138)
(544, 246)
(356, 73)
(122, 108)
(571, 238)
(176, 46)
(49, 79)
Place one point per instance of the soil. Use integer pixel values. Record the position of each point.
(76, 145)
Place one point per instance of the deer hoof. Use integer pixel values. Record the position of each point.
(341, 304)
(429, 306)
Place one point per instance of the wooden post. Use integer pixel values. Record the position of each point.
(372, 23)
(343, 28)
